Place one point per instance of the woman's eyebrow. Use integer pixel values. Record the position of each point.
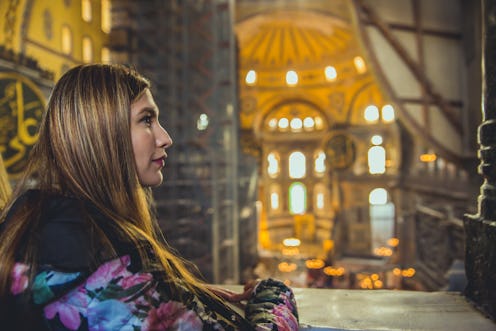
(148, 109)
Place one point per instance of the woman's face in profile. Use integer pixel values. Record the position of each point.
(149, 140)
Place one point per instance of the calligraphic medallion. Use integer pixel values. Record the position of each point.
(21, 109)
(341, 152)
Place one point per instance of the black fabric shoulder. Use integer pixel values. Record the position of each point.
(69, 233)
(70, 236)
(64, 239)
(19, 203)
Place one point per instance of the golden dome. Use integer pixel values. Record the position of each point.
(273, 43)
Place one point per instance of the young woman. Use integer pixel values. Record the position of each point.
(79, 247)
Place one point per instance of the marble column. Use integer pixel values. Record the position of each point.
(480, 261)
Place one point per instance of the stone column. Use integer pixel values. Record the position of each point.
(480, 261)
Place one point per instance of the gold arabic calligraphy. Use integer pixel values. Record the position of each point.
(21, 108)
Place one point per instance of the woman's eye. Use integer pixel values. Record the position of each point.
(147, 120)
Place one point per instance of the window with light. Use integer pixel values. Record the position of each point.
(296, 124)
(320, 197)
(291, 78)
(106, 55)
(319, 165)
(388, 113)
(274, 201)
(106, 16)
(87, 50)
(275, 194)
(283, 123)
(66, 40)
(273, 165)
(297, 198)
(360, 65)
(86, 13)
(297, 165)
(251, 77)
(371, 114)
(330, 73)
(381, 219)
(377, 160)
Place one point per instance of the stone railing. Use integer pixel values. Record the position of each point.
(331, 309)
(439, 240)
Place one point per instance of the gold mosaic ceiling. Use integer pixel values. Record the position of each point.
(275, 43)
(299, 40)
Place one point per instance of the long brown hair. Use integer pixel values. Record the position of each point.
(84, 150)
(5, 189)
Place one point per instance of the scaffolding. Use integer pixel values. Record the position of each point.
(188, 51)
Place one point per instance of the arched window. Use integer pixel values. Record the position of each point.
(381, 217)
(106, 16)
(275, 200)
(320, 197)
(377, 160)
(387, 113)
(291, 78)
(86, 11)
(319, 165)
(66, 40)
(273, 165)
(202, 122)
(296, 124)
(297, 198)
(360, 65)
(297, 165)
(87, 50)
(283, 123)
(106, 55)
(371, 114)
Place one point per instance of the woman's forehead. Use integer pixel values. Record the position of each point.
(144, 103)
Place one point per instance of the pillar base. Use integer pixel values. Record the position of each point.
(480, 263)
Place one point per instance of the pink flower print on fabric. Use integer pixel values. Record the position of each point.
(172, 316)
(135, 279)
(69, 308)
(20, 279)
(284, 319)
(107, 272)
(287, 300)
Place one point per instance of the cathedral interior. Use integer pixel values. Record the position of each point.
(329, 143)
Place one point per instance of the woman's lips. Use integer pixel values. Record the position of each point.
(160, 162)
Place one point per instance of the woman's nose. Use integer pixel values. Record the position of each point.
(163, 139)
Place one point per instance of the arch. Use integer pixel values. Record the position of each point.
(376, 34)
(301, 103)
(360, 100)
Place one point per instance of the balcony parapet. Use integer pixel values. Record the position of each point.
(331, 309)
(339, 309)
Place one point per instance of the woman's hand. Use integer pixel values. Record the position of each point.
(232, 296)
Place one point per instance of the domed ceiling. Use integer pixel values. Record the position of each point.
(273, 42)
(292, 39)
(289, 55)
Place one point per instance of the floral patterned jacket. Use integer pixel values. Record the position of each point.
(65, 294)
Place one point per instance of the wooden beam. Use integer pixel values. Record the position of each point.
(419, 74)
